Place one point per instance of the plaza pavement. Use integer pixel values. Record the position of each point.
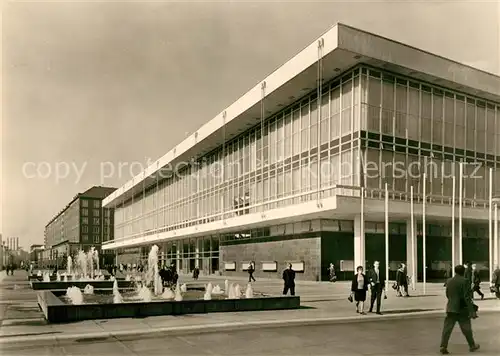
(419, 337)
(322, 303)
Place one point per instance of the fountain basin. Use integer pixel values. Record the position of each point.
(56, 311)
(53, 285)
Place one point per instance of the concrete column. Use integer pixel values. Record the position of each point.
(359, 242)
(197, 254)
(456, 238)
(411, 252)
(178, 257)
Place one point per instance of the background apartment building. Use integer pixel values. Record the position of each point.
(83, 223)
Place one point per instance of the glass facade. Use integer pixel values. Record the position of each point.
(427, 129)
(364, 117)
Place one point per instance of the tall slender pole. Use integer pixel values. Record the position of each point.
(453, 255)
(412, 229)
(460, 208)
(495, 247)
(362, 228)
(386, 230)
(490, 211)
(424, 255)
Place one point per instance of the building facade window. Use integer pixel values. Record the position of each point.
(85, 212)
(96, 221)
(366, 115)
(85, 203)
(96, 203)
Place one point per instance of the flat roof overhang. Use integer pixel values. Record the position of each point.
(343, 48)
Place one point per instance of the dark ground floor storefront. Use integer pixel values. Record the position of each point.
(311, 246)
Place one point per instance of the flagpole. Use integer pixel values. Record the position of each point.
(386, 229)
(460, 209)
(424, 257)
(412, 222)
(453, 258)
(490, 233)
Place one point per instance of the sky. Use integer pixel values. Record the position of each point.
(89, 85)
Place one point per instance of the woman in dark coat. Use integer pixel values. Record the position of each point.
(359, 286)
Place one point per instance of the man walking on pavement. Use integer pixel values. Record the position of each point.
(476, 282)
(377, 286)
(459, 308)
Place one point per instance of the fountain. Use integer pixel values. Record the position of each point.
(69, 266)
(127, 277)
(117, 297)
(145, 294)
(75, 295)
(58, 277)
(65, 278)
(153, 275)
(39, 273)
(249, 291)
(217, 290)
(184, 288)
(237, 292)
(88, 289)
(81, 261)
(231, 292)
(46, 277)
(208, 292)
(226, 287)
(168, 294)
(178, 295)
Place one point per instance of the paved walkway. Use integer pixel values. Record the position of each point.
(398, 337)
(321, 302)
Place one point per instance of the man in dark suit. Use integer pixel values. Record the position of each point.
(289, 279)
(377, 286)
(459, 308)
(476, 282)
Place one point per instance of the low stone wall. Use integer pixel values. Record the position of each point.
(56, 311)
(80, 284)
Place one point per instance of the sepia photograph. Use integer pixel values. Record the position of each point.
(250, 177)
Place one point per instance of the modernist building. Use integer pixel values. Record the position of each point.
(81, 224)
(279, 175)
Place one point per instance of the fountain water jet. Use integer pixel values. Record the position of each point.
(237, 292)
(145, 294)
(65, 278)
(58, 277)
(226, 287)
(217, 291)
(208, 292)
(46, 277)
(75, 295)
(117, 297)
(249, 291)
(153, 274)
(168, 294)
(178, 295)
(88, 289)
(69, 265)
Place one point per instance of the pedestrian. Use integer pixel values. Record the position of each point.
(359, 286)
(331, 273)
(196, 273)
(476, 282)
(399, 280)
(289, 279)
(377, 287)
(495, 282)
(459, 308)
(251, 270)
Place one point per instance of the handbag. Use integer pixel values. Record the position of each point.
(395, 286)
(350, 299)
